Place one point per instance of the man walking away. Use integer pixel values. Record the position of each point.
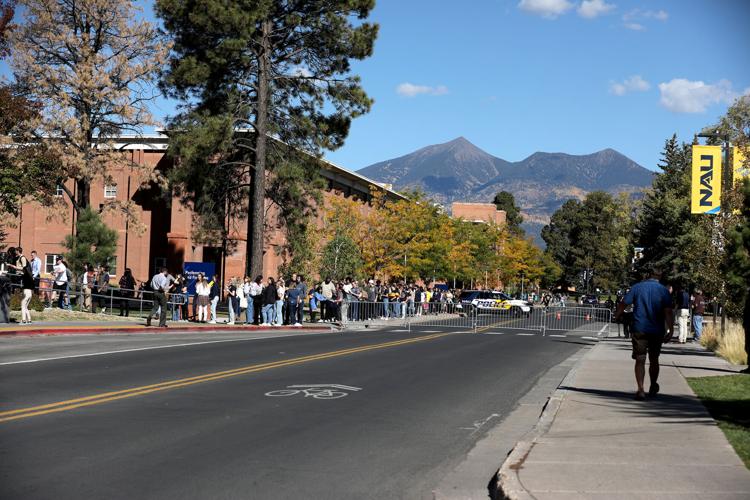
(653, 320)
(683, 313)
(160, 283)
(699, 307)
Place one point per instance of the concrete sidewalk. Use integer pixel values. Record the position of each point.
(595, 441)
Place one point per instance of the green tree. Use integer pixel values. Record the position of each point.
(592, 236)
(93, 242)
(341, 258)
(278, 69)
(557, 236)
(513, 218)
(738, 257)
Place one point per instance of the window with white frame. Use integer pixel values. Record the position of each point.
(49, 262)
(59, 190)
(110, 191)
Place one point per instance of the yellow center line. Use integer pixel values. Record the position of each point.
(96, 399)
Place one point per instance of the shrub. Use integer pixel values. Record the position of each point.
(730, 346)
(36, 303)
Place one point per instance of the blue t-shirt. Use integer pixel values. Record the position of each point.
(649, 299)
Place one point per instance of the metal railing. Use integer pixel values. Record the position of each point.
(583, 320)
(114, 301)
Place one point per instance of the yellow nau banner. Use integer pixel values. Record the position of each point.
(706, 190)
(741, 169)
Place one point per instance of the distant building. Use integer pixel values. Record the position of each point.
(167, 239)
(478, 212)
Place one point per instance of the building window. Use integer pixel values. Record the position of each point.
(59, 190)
(110, 191)
(49, 262)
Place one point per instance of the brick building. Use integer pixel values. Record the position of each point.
(166, 235)
(478, 212)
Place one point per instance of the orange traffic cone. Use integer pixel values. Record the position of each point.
(558, 316)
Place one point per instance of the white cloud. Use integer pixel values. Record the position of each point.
(634, 26)
(633, 84)
(594, 8)
(684, 96)
(407, 89)
(546, 8)
(633, 20)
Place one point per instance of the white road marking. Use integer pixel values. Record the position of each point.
(399, 330)
(525, 334)
(556, 335)
(430, 331)
(103, 353)
(336, 386)
(479, 424)
(590, 338)
(494, 333)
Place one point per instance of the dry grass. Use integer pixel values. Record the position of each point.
(730, 346)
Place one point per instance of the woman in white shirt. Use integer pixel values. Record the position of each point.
(202, 290)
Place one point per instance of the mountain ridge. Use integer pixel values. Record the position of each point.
(458, 170)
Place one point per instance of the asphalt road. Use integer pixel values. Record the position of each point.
(189, 418)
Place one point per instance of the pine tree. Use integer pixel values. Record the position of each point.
(277, 69)
(93, 242)
(513, 218)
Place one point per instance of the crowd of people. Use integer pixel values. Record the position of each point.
(281, 301)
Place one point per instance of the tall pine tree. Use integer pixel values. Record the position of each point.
(272, 68)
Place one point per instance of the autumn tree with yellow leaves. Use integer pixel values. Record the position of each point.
(413, 239)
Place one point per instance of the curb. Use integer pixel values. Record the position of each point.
(142, 329)
(509, 486)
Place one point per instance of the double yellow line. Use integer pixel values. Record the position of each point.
(71, 404)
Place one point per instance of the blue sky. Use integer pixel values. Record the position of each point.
(519, 76)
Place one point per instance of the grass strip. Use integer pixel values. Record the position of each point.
(727, 398)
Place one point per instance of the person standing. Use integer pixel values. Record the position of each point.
(202, 291)
(232, 300)
(682, 303)
(699, 308)
(36, 270)
(302, 287)
(268, 298)
(61, 281)
(255, 301)
(214, 296)
(279, 306)
(653, 322)
(103, 287)
(22, 266)
(327, 289)
(160, 284)
(127, 289)
(293, 303)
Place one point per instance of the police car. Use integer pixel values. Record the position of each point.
(491, 301)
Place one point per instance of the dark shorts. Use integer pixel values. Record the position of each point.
(646, 344)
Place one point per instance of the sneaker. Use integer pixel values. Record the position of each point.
(654, 389)
(212, 322)
(320, 321)
(297, 324)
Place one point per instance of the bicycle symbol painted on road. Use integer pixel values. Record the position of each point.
(317, 391)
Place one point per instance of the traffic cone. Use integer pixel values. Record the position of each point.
(557, 317)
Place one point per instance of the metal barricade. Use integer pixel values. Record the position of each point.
(582, 320)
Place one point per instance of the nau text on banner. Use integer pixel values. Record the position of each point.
(706, 189)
